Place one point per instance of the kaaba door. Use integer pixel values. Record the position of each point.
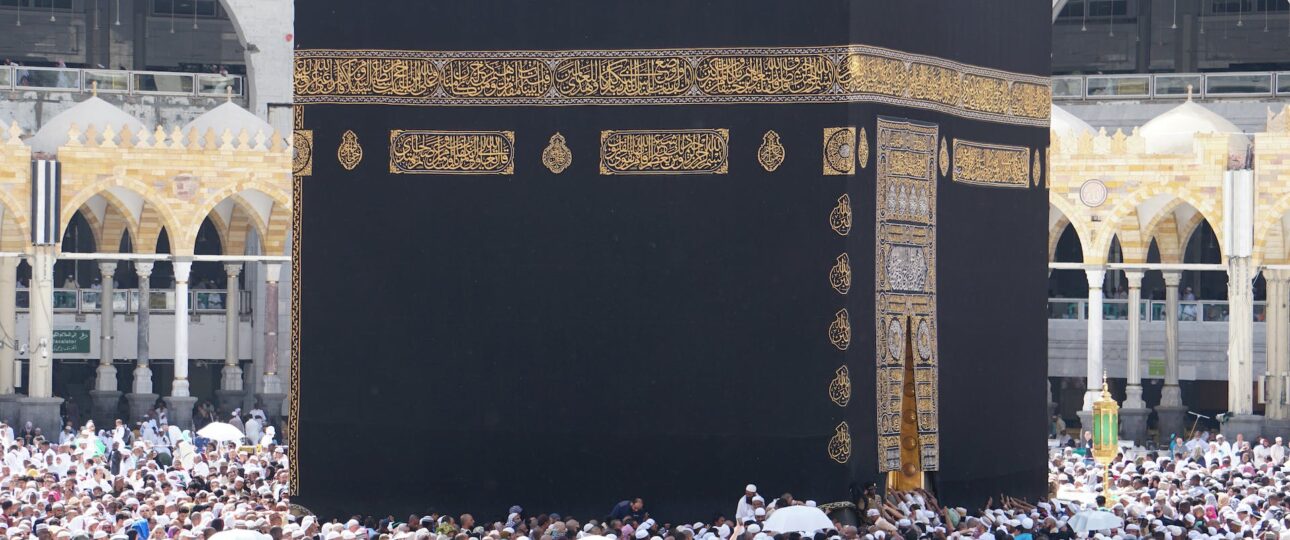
(910, 476)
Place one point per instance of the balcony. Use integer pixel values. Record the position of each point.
(1166, 86)
(1148, 310)
(126, 301)
(132, 83)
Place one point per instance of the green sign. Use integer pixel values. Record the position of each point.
(1156, 368)
(73, 340)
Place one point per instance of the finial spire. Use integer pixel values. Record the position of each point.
(94, 88)
(228, 93)
(1189, 92)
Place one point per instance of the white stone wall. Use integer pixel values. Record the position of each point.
(1202, 348)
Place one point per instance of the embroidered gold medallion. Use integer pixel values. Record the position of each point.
(862, 148)
(839, 151)
(771, 152)
(350, 152)
(840, 274)
(840, 444)
(840, 217)
(840, 387)
(557, 157)
(302, 153)
(840, 330)
(1036, 174)
(944, 158)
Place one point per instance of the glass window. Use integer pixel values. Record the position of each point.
(60, 5)
(1096, 8)
(204, 8)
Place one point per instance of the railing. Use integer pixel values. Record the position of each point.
(158, 83)
(1117, 309)
(127, 301)
(1172, 85)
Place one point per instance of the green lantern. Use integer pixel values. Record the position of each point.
(1106, 434)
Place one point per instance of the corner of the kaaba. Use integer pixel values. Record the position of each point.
(797, 244)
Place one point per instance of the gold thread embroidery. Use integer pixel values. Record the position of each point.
(1036, 171)
(840, 330)
(837, 74)
(556, 156)
(503, 78)
(765, 75)
(905, 286)
(684, 151)
(452, 152)
(840, 387)
(624, 77)
(840, 443)
(771, 152)
(302, 153)
(944, 158)
(862, 148)
(840, 216)
(839, 151)
(350, 152)
(840, 274)
(292, 435)
(991, 165)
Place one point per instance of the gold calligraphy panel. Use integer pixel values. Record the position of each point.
(835, 74)
(624, 77)
(765, 75)
(992, 165)
(516, 77)
(452, 152)
(685, 151)
(905, 288)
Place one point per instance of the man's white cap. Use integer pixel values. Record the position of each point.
(751, 488)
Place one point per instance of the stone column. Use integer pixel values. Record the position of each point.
(180, 402)
(1278, 352)
(1240, 351)
(105, 394)
(230, 392)
(9, 349)
(1093, 390)
(271, 393)
(1134, 412)
(142, 398)
(1170, 413)
(41, 407)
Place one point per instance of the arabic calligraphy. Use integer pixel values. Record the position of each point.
(836, 74)
(765, 75)
(771, 152)
(839, 151)
(686, 151)
(840, 330)
(992, 165)
(350, 152)
(840, 387)
(840, 216)
(452, 152)
(624, 77)
(518, 77)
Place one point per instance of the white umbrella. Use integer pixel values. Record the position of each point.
(220, 432)
(1095, 520)
(797, 519)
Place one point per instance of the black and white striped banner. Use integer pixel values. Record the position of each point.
(46, 188)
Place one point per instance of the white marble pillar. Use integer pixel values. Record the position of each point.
(143, 373)
(9, 322)
(231, 379)
(40, 372)
(1171, 395)
(1096, 276)
(1240, 331)
(182, 270)
(106, 381)
(1133, 392)
(1277, 350)
(272, 383)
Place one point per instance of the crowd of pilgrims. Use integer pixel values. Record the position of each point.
(157, 481)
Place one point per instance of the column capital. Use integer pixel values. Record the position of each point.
(1095, 275)
(183, 268)
(1134, 277)
(1172, 278)
(233, 270)
(272, 271)
(143, 269)
(107, 268)
(1276, 274)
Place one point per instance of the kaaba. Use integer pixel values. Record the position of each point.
(559, 254)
